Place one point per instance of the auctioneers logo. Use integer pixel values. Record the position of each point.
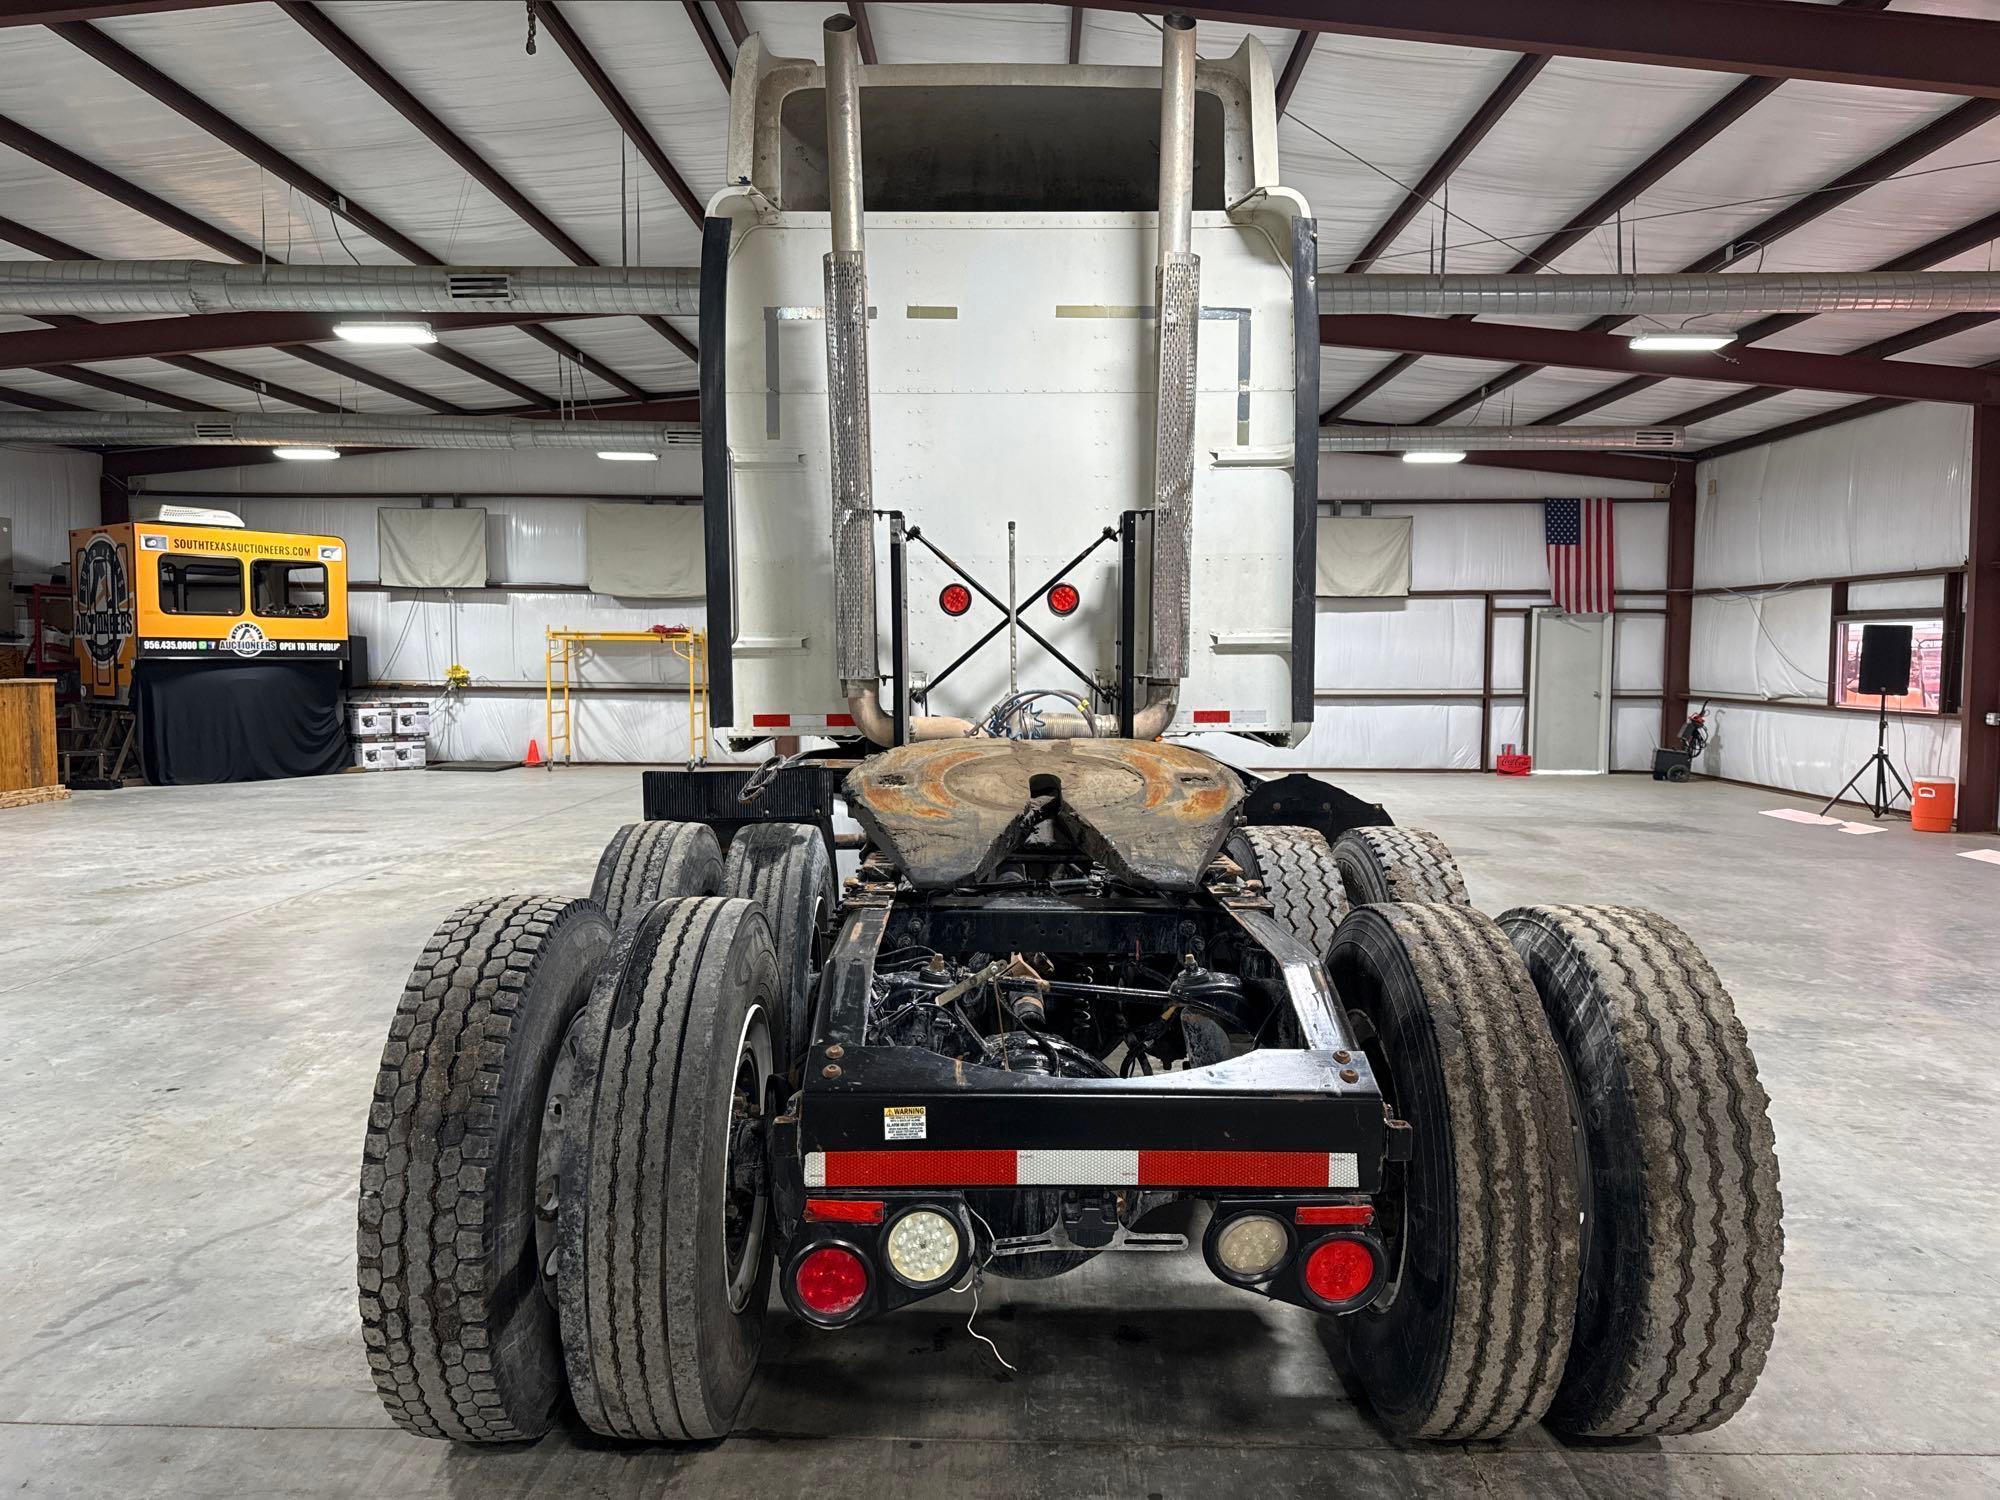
(246, 640)
(103, 599)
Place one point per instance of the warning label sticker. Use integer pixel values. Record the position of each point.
(903, 1122)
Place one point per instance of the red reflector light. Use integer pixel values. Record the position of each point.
(1340, 1270)
(1063, 599)
(955, 599)
(844, 1211)
(1357, 1214)
(831, 1281)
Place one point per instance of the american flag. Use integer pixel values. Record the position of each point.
(1577, 534)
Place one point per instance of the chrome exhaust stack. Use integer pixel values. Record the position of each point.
(857, 655)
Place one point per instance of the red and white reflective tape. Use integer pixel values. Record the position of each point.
(946, 1168)
(1248, 718)
(802, 721)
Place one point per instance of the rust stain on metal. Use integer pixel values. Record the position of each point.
(951, 811)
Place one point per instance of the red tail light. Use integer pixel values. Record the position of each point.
(831, 1281)
(1356, 1214)
(1339, 1270)
(844, 1210)
(955, 599)
(1063, 599)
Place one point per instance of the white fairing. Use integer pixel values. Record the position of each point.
(1011, 359)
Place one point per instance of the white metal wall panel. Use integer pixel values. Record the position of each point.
(1897, 593)
(1878, 495)
(45, 493)
(1405, 644)
(1639, 657)
(1762, 645)
(1372, 734)
(1635, 731)
(1815, 751)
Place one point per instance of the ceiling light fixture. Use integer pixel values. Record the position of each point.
(1433, 456)
(306, 455)
(1681, 343)
(385, 333)
(624, 456)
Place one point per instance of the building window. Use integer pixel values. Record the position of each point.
(288, 590)
(200, 585)
(1927, 662)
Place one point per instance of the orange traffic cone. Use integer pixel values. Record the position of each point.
(534, 755)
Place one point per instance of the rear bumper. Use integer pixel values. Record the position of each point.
(896, 1117)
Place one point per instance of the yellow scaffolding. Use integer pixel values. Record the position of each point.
(562, 654)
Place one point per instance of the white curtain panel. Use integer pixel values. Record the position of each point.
(1363, 557)
(644, 551)
(432, 549)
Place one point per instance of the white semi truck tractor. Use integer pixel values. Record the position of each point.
(1009, 481)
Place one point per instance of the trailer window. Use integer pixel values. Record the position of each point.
(1927, 674)
(288, 590)
(200, 585)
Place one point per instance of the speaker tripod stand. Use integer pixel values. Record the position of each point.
(1883, 767)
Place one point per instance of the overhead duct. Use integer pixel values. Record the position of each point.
(200, 286)
(1494, 439)
(159, 429)
(1538, 296)
(90, 287)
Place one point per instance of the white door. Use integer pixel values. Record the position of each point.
(1569, 692)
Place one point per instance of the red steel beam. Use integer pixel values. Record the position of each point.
(1076, 33)
(614, 103)
(1590, 463)
(51, 248)
(156, 338)
(1766, 38)
(130, 195)
(1596, 351)
(35, 401)
(1469, 136)
(34, 13)
(1295, 66)
(416, 113)
(129, 463)
(150, 81)
(1712, 121)
(1979, 741)
(1815, 423)
(1945, 247)
(1680, 604)
(1691, 138)
(710, 43)
(1892, 159)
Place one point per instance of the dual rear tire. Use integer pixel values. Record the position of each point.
(1590, 1230)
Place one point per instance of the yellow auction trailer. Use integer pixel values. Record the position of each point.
(156, 590)
(225, 644)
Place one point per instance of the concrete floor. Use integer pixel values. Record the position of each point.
(194, 986)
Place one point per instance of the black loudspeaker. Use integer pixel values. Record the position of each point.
(354, 671)
(1885, 660)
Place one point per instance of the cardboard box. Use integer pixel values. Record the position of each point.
(371, 721)
(409, 755)
(375, 755)
(413, 718)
